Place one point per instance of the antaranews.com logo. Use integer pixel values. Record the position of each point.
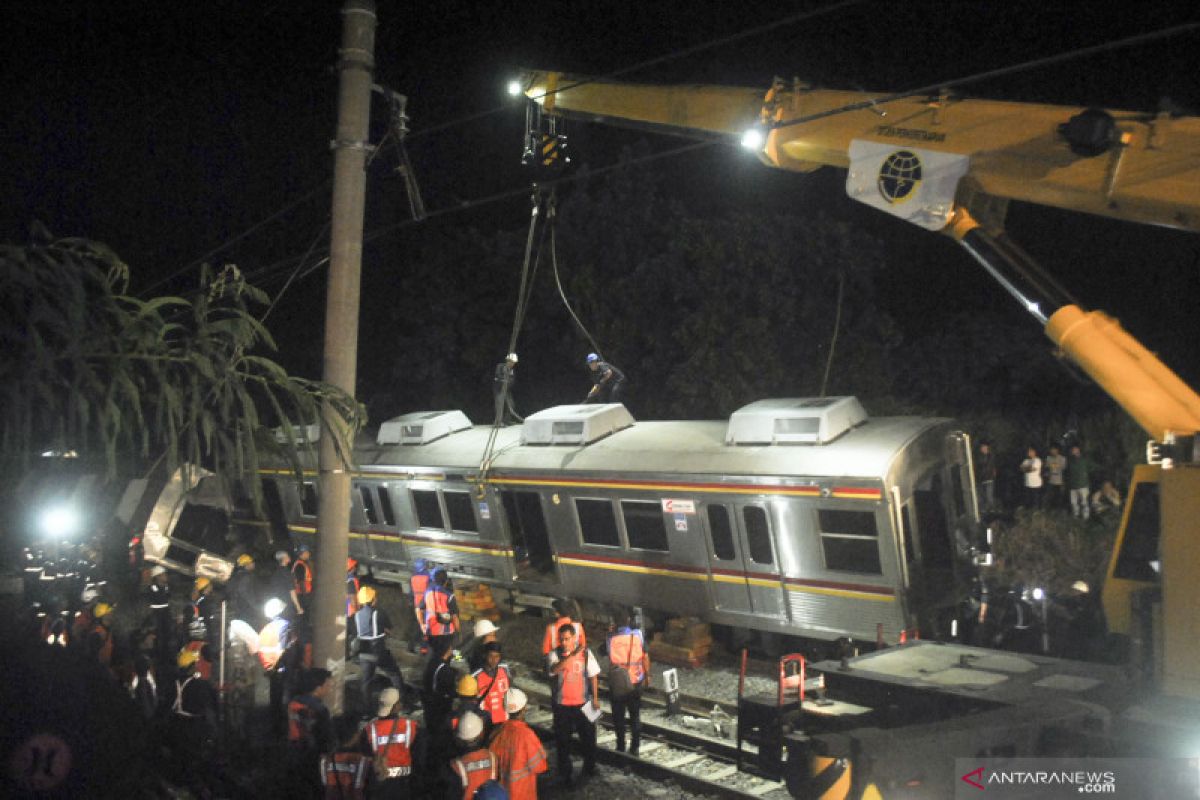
(1035, 778)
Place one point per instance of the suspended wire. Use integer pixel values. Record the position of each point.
(293, 277)
(561, 293)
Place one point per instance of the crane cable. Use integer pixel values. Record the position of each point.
(550, 218)
(528, 271)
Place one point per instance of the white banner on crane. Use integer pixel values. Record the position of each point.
(912, 183)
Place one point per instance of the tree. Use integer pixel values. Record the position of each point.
(166, 381)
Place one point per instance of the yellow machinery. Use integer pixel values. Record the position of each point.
(951, 165)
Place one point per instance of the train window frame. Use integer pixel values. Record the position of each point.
(453, 517)
(385, 505)
(583, 528)
(854, 552)
(367, 503)
(727, 534)
(639, 534)
(310, 501)
(421, 505)
(752, 533)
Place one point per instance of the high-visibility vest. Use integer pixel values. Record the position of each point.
(344, 776)
(574, 687)
(491, 693)
(550, 640)
(177, 706)
(474, 769)
(271, 640)
(393, 736)
(302, 577)
(351, 594)
(419, 583)
(302, 723)
(625, 650)
(437, 601)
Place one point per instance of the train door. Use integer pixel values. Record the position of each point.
(745, 575)
(525, 521)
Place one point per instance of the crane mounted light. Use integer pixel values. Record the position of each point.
(514, 88)
(753, 139)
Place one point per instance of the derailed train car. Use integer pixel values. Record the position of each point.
(800, 517)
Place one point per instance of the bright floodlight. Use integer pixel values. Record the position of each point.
(753, 139)
(59, 522)
(514, 87)
(1038, 594)
(273, 608)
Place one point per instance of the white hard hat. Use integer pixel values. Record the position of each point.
(470, 727)
(485, 626)
(273, 608)
(387, 701)
(158, 570)
(512, 357)
(514, 700)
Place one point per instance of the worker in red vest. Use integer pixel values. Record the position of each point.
(520, 757)
(302, 580)
(550, 639)
(574, 670)
(441, 611)
(627, 650)
(345, 772)
(419, 584)
(395, 738)
(309, 733)
(492, 682)
(476, 766)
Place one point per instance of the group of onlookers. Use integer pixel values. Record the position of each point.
(1056, 482)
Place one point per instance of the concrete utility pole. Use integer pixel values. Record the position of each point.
(355, 66)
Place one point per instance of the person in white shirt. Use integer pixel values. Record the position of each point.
(1031, 467)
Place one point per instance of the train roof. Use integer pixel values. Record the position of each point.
(686, 447)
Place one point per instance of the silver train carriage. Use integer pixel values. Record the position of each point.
(799, 516)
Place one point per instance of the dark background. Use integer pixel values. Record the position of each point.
(168, 132)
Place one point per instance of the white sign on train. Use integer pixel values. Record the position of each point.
(678, 506)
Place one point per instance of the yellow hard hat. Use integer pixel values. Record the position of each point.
(245, 560)
(187, 658)
(202, 584)
(467, 686)
(101, 610)
(366, 595)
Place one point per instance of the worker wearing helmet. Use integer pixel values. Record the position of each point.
(244, 601)
(484, 632)
(352, 587)
(392, 738)
(608, 382)
(192, 723)
(373, 627)
(158, 599)
(440, 609)
(419, 584)
(302, 580)
(518, 751)
(99, 637)
(203, 623)
(502, 391)
(476, 766)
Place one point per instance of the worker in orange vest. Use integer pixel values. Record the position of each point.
(575, 691)
(419, 584)
(550, 640)
(302, 580)
(441, 611)
(309, 732)
(519, 754)
(492, 683)
(627, 650)
(346, 771)
(476, 766)
(395, 738)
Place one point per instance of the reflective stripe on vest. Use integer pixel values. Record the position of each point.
(393, 737)
(625, 651)
(437, 601)
(345, 771)
(474, 769)
(571, 680)
(491, 694)
(303, 583)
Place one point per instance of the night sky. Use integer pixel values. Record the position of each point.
(168, 130)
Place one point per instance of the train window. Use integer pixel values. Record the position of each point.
(385, 505)
(758, 535)
(429, 513)
(530, 535)
(1139, 548)
(644, 525)
(597, 523)
(461, 511)
(368, 505)
(308, 499)
(850, 541)
(721, 532)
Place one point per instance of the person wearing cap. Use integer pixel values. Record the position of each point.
(419, 584)
(203, 625)
(373, 628)
(466, 699)
(493, 682)
(192, 722)
(476, 766)
(519, 754)
(244, 602)
(484, 632)
(608, 382)
(441, 610)
(502, 386)
(395, 739)
(309, 732)
(574, 689)
(99, 637)
(562, 609)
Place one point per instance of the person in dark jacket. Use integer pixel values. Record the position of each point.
(310, 733)
(608, 382)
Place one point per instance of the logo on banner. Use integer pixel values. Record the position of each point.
(899, 176)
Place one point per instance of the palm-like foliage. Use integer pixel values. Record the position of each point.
(170, 380)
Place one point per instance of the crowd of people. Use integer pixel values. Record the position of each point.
(1055, 482)
(460, 733)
